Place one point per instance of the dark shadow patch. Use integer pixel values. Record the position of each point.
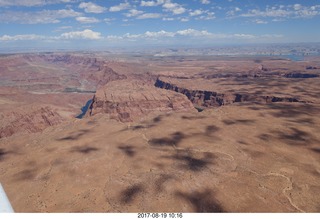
(228, 122)
(241, 121)
(293, 111)
(193, 117)
(296, 137)
(137, 127)
(128, 195)
(317, 150)
(128, 150)
(307, 121)
(28, 174)
(243, 142)
(92, 122)
(245, 121)
(201, 201)
(173, 140)
(4, 154)
(264, 137)
(190, 162)
(254, 108)
(211, 129)
(84, 149)
(157, 119)
(75, 135)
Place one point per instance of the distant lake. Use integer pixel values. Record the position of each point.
(292, 57)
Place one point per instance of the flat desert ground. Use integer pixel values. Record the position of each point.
(246, 139)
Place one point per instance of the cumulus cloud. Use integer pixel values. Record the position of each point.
(184, 19)
(85, 34)
(196, 12)
(30, 3)
(159, 36)
(168, 19)
(205, 2)
(175, 8)
(258, 21)
(149, 16)
(151, 3)
(191, 34)
(207, 16)
(22, 37)
(38, 17)
(87, 20)
(133, 13)
(120, 7)
(289, 11)
(90, 7)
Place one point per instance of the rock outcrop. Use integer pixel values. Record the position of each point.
(129, 100)
(32, 121)
(210, 98)
(300, 75)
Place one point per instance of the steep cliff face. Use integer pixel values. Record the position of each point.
(91, 72)
(32, 121)
(104, 76)
(131, 100)
(300, 75)
(211, 98)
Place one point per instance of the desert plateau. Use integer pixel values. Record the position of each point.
(100, 132)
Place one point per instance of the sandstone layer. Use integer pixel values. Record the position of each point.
(26, 120)
(130, 100)
(210, 98)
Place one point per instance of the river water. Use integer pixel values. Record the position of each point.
(84, 109)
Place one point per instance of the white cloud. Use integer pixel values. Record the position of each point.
(184, 19)
(258, 21)
(133, 13)
(207, 16)
(297, 7)
(196, 12)
(120, 7)
(244, 36)
(22, 37)
(175, 8)
(159, 36)
(87, 20)
(149, 15)
(30, 3)
(90, 7)
(151, 3)
(161, 33)
(38, 17)
(168, 19)
(192, 34)
(233, 11)
(108, 20)
(205, 2)
(85, 34)
(289, 11)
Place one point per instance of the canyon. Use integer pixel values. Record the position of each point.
(98, 132)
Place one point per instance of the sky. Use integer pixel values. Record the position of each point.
(119, 23)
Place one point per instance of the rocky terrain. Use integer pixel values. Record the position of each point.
(131, 100)
(171, 134)
(211, 98)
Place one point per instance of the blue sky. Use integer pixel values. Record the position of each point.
(97, 23)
